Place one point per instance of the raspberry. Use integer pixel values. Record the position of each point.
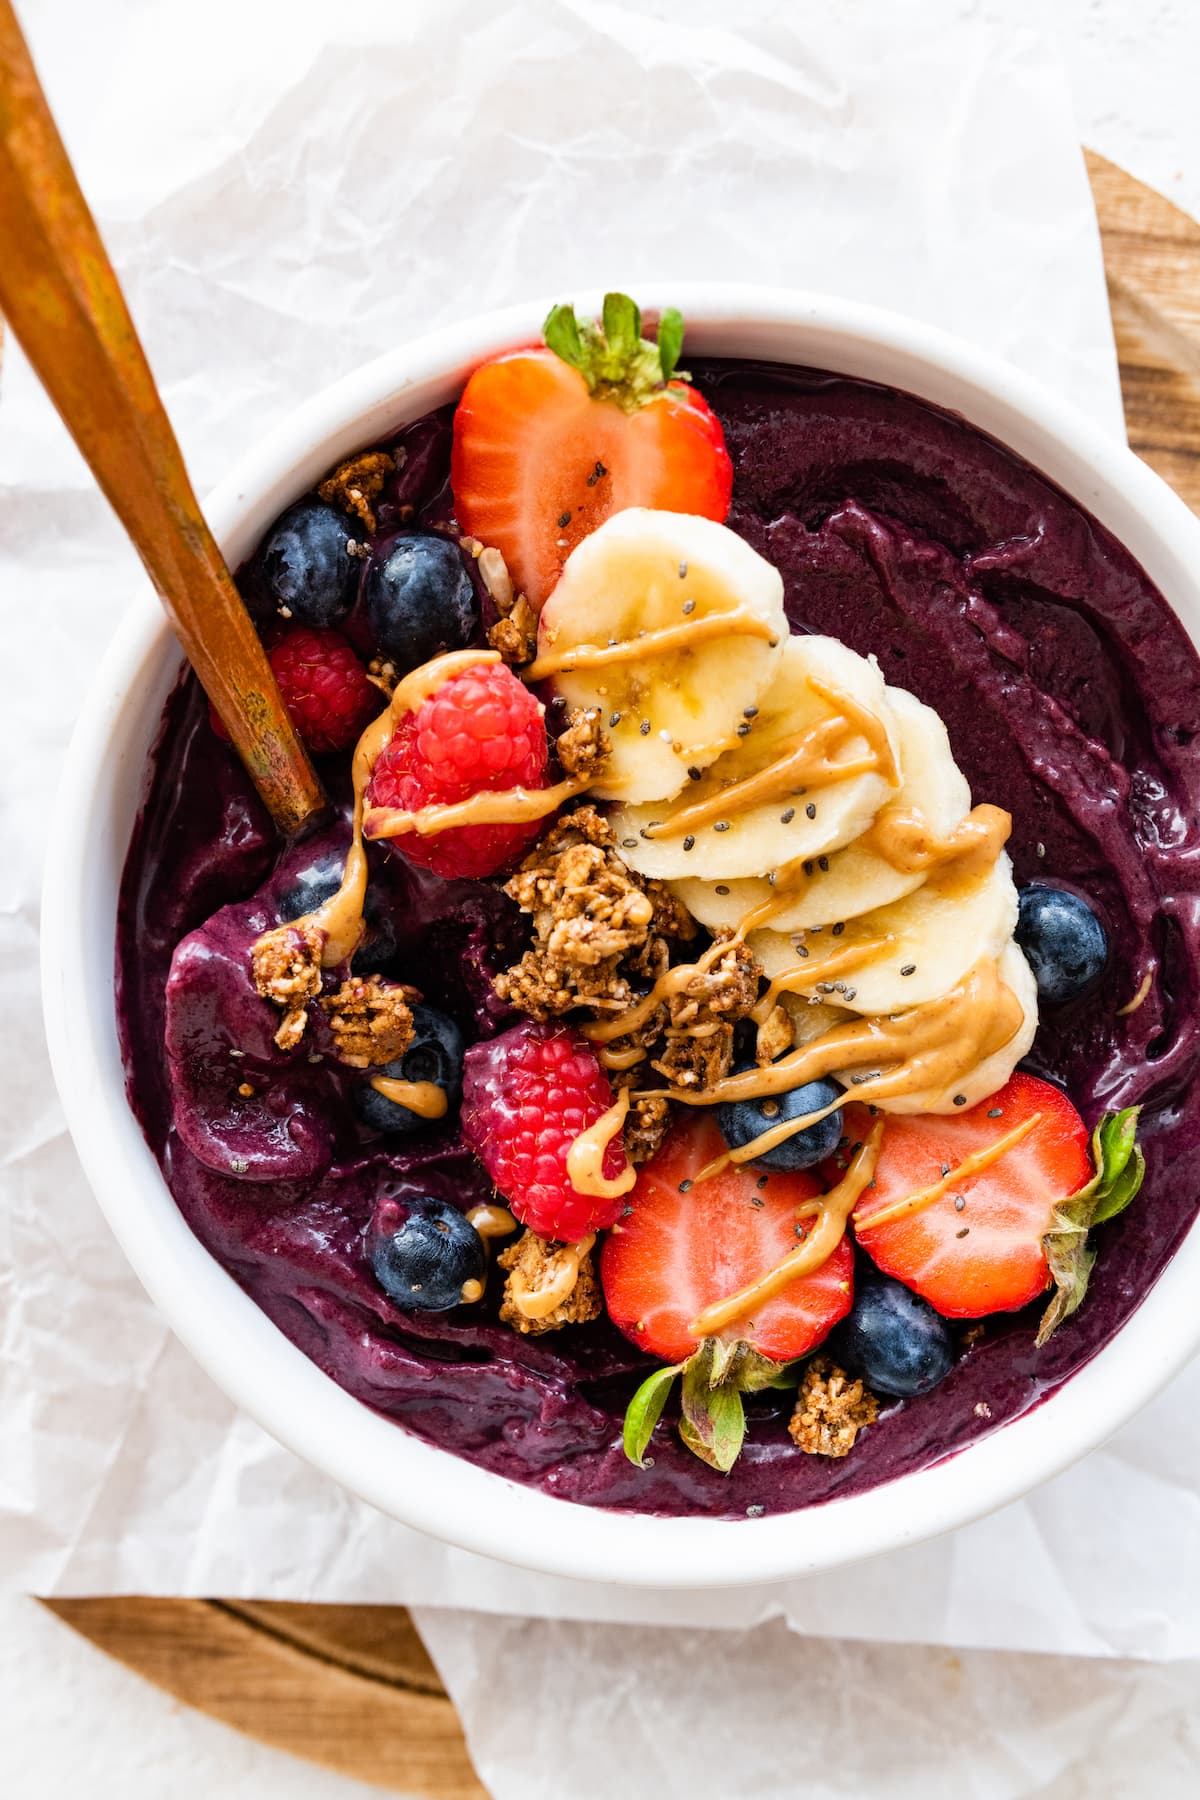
(324, 687)
(483, 729)
(527, 1095)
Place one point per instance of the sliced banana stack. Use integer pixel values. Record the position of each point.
(856, 880)
(720, 825)
(676, 705)
(901, 955)
(991, 1074)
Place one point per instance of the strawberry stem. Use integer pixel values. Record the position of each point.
(615, 360)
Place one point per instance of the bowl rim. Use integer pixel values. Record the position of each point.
(424, 1487)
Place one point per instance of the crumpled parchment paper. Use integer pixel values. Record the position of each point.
(287, 189)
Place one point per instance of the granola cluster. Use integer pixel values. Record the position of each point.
(514, 634)
(355, 483)
(831, 1410)
(538, 1264)
(370, 1020)
(598, 930)
(584, 748)
(701, 1017)
(286, 965)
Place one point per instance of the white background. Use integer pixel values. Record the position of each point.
(69, 1718)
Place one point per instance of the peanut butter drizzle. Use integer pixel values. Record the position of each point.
(928, 1047)
(739, 621)
(340, 918)
(767, 1140)
(585, 1158)
(804, 975)
(672, 981)
(501, 806)
(975, 1164)
(540, 1304)
(423, 1097)
(903, 838)
(831, 1213)
(868, 725)
(490, 1222)
(617, 1060)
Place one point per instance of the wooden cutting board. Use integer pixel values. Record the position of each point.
(351, 1686)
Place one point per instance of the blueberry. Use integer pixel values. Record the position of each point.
(1064, 941)
(423, 1251)
(419, 597)
(320, 881)
(303, 570)
(435, 1054)
(742, 1120)
(895, 1340)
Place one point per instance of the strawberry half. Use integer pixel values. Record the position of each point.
(549, 441)
(679, 1252)
(986, 1254)
(687, 1245)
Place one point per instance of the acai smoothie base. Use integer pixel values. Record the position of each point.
(760, 803)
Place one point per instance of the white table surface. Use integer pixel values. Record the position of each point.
(69, 1717)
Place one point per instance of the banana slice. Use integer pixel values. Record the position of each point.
(749, 837)
(857, 880)
(678, 706)
(989, 1076)
(901, 955)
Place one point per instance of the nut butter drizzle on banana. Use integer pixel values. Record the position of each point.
(737, 621)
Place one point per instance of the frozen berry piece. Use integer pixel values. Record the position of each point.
(419, 597)
(483, 730)
(311, 886)
(434, 1055)
(304, 571)
(743, 1120)
(527, 1095)
(895, 1340)
(1063, 940)
(324, 687)
(423, 1252)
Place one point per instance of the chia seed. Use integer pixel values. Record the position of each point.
(838, 929)
(811, 809)
(995, 1112)
(683, 571)
(614, 718)
(629, 843)
(563, 519)
(787, 817)
(689, 842)
(721, 888)
(823, 864)
(743, 731)
(689, 606)
(964, 1232)
(721, 825)
(909, 969)
(644, 728)
(685, 1187)
(959, 1203)
(960, 1099)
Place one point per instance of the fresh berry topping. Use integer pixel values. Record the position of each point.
(324, 687)
(481, 731)
(977, 1248)
(894, 1340)
(527, 1095)
(1064, 942)
(549, 441)
(303, 570)
(419, 597)
(311, 886)
(687, 1244)
(743, 1120)
(435, 1055)
(423, 1252)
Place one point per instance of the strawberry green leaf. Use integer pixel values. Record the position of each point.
(622, 321)
(644, 1411)
(714, 1423)
(670, 341)
(1120, 1167)
(561, 332)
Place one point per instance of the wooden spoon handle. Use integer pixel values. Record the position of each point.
(62, 299)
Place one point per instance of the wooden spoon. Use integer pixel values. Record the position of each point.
(61, 296)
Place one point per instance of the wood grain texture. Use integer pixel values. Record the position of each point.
(351, 1686)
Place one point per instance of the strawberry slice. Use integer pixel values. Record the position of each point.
(684, 1247)
(986, 1254)
(549, 441)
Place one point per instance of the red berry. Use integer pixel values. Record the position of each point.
(978, 1249)
(482, 730)
(527, 1095)
(689, 1243)
(324, 687)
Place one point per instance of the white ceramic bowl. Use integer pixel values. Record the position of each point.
(275, 1383)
